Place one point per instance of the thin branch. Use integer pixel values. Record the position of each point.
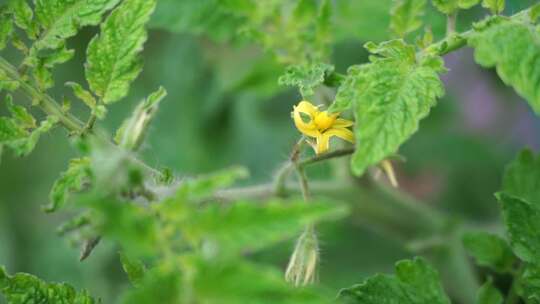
(326, 156)
(451, 23)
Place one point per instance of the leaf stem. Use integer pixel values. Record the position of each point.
(52, 108)
(47, 103)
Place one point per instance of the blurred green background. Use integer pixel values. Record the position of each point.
(225, 108)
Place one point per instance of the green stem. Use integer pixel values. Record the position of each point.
(52, 108)
(47, 103)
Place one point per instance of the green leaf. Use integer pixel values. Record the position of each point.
(348, 91)
(74, 223)
(237, 281)
(82, 94)
(24, 146)
(406, 16)
(72, 180)
(415, 282)
(248, 225)
(495, 6)
(132, 132)
(214, 18)
(530, 283)
(489, 250)
(129, 224)
(158, 285)
(20, 115)
(43, 76)
(6, 83)
(23, 288)
(522, 221)
(522, 178)
(392, 94)
(113, 60)
(61, 19)
(135, 269)
(6, 27)
(57, 56)
(534, 12)
(513, 48)
(488, 294)
(10, 131)
(306, 77)
(451, 6)
(466, 4)
(23, 16)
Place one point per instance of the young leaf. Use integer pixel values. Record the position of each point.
(522, 221)
(415, 282)
(113, 56)
(57, 56)
(489, 250)
(23, 288)
(488, 294)
(406, 16)
(10, 131)
(24, 146)
(495, 6)
(513, 48)
(72, 180)
(7, 83)
(20, 115)
(23, 16)
(61, 19)
(393, 93)
(134, 268)
(6, 27)
(306, 77)
(82, 94)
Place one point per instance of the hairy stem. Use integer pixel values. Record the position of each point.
(451, 23)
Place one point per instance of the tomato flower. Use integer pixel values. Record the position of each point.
(321, 125)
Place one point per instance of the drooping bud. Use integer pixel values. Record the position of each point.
(302, 268)
(133, 130)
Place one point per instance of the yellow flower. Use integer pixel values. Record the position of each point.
(321, 125)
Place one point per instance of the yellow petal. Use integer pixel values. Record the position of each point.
(342, 123)
(323, 142)
(308, 108)
(307, 128)
(342, 133)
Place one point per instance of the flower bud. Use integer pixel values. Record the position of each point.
(302, 268)
(132, 132)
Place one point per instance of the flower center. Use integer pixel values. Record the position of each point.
(324, 121)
